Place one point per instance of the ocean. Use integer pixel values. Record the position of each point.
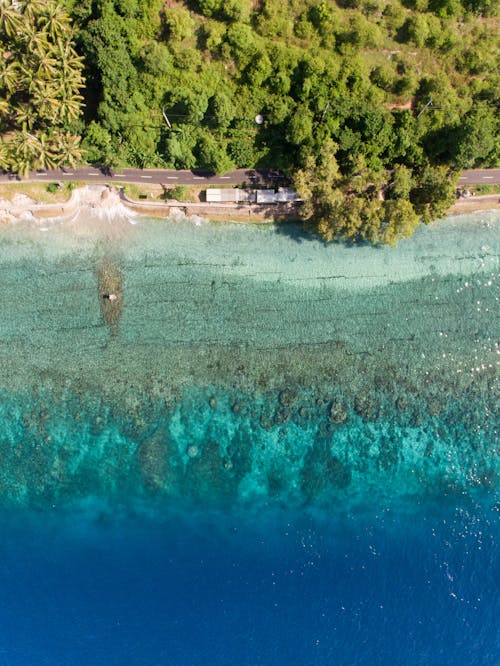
(266, 450)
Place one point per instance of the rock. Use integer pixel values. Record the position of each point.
(266, 423)
(212, 402)
(282, 416)
(364, 406)
(338, 412)
(287, 397)
(434, 407)
(401, 403)
(193, 451)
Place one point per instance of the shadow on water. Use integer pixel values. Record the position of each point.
(301, 232)
(110, 285)
(296, 231)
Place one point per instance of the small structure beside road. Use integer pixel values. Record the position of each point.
(228, 195)
(266, 196)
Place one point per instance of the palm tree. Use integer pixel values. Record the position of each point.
(40, 79)
(23, 151)
(33, 10)
(55, 21)
(4, 156)
(67, 148)
(45, 100)
(44, 62)
(69, 107)
(70, 62)
(9, 75)
(43, 152)
(24, 115)
(10, 19)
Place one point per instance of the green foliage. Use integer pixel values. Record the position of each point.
(384, 76)
(178, 193)
(401, 182)
(433, 192)
(212, 155)
(40, 80)
(477, 138)
(99, 146)
(355, 209)
(347, 79)
(178, 24)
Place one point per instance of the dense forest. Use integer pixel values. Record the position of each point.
(369, 105)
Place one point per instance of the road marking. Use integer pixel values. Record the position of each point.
(463, 178)
(224, 176)
(92, 174)
(198, 177)
(488, 176)
(146, 176)
(42, 174)
(121, 175)
(172, 177)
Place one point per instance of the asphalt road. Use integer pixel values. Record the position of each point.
(170, 178)
(480, 177)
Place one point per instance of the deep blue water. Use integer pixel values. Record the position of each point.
(414, 588)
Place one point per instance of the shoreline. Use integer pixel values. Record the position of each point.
(107, 200)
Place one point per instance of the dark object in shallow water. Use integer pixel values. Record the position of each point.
(110, 285)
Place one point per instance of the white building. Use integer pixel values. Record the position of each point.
(227, 195)
(235, 195)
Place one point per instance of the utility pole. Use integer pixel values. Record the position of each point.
(166, 118)
(429, 103)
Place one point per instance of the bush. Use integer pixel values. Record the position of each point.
(178, 193)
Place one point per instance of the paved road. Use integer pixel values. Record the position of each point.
(205, 178)
(159, 176)
(480, 177)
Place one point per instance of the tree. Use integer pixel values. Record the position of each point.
(400, 221)
(319, 185)
(300, 127)
(433, 192)
(477, 141)
(40, 78)
(354, 208)
(401, 184)
(99, 146)
(10, 20)
(212, 154)
(178, 23)
(221, 107)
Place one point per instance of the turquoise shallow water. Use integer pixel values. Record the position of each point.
(248, 365)
(272, 403)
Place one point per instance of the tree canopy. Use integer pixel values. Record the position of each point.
(40, 83)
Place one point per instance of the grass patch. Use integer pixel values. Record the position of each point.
(485, 189)
(159, 193)
(142, 192)
(39, 192)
